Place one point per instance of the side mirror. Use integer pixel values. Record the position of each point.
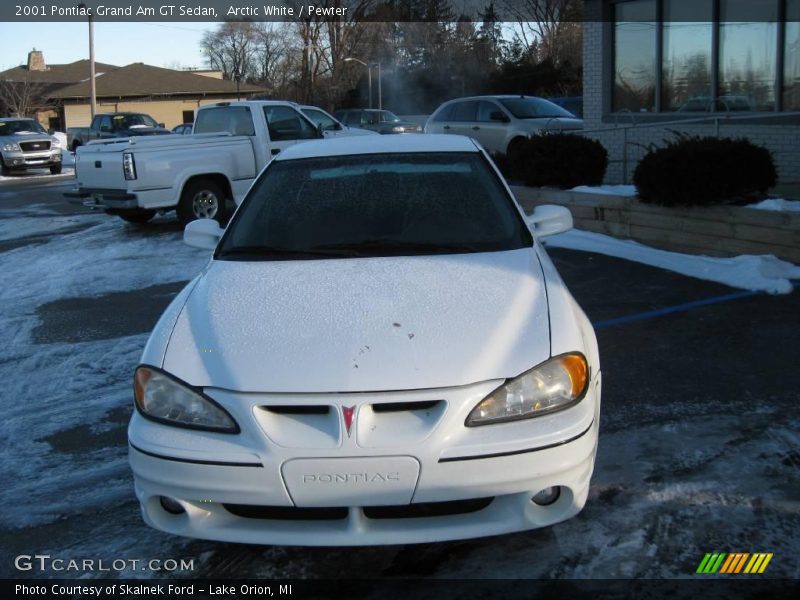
(162, 125)
(203, 233)
(549, 219)
(496, 115)
(320, 130)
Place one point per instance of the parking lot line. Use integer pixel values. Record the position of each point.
(659, 312)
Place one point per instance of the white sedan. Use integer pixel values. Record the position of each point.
(380, 351)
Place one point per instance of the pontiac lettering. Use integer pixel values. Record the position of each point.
(351, 477)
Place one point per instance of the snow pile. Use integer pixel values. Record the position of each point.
(629, 191)
(71, 389)
(777, 204)
(758, 273)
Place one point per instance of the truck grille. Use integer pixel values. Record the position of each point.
(34, 146)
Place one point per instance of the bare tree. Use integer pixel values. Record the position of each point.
(547, 25)
(23, 98)
(231, 48)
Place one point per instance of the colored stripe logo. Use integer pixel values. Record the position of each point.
(734, 563)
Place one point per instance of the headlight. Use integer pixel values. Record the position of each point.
(398, 129)
(554, 385)
(12, 147)
(164, 398)
(54, 142)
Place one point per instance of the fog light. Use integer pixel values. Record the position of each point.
(547, 496)
(172, 506)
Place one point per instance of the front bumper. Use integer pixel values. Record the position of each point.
(471, 482)
(32, 160)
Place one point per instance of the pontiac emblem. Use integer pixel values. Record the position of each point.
(347, 414)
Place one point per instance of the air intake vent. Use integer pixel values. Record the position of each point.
(400, 406)
(427, 509)
(295, 409)
(287, 513)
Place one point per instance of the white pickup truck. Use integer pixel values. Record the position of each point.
(199, 175)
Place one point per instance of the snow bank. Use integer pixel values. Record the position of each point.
(759, 273)
(777, 204)
(629, 191)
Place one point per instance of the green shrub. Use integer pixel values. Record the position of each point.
(556, 159)
(704, 170)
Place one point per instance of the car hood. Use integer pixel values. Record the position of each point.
(25, 137)
(363, 324)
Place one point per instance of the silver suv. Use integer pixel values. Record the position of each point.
(500, 122)
(24, 144)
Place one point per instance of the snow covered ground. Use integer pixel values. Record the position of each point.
(607, 190)
(671, 482)
(777, 204)
(758, 273)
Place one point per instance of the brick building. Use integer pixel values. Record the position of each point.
(701, 67)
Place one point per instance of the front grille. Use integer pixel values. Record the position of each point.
(427, 509)
(333, 513)
(388, 407)
(34, 146)
(287, 513)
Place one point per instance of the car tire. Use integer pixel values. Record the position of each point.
(4, 170)
(202, 199)
(75, 146)
(138, 217)
(55, 169)
(514, 146)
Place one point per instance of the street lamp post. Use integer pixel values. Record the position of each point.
(369, 77)
(92, 82)
(380, 88)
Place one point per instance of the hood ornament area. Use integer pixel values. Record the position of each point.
(347, 414)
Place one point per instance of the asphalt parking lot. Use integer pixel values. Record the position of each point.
(699, 448)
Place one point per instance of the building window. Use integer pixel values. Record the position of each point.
(635, 56)
(791, 61)
(686, 62)
(706, 55)
(747, 53)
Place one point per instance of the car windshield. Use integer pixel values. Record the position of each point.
(387, 116)
(375, 205)
(21, 126)
(320, 118)
(133, 121)
(534, 108)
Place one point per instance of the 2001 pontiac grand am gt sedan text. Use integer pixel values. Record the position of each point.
(379, 352)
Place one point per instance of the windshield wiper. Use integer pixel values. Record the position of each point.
(266, 251)
(395, 246)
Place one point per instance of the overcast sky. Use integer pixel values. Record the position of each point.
(158, 44)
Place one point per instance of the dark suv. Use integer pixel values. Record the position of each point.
(382, 121)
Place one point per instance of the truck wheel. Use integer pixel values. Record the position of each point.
(140, 216)
(202, 199)
(75, 146)
(55, 169)
(4, 170)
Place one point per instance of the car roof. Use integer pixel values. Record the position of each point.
(9, 119)
(494, 97)
(412, 143)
